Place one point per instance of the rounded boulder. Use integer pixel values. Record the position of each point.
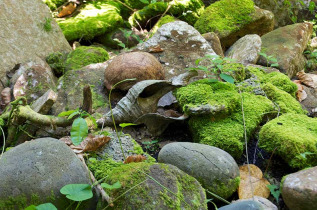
(214, 168)
(138, 65)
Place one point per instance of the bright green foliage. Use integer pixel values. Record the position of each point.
(56, 61)
(54, 4)
(135, 4)
(77, 192)
(179, 9)
(202, 92)
(291, 135)
(285, 102)
(225, 16)
(162, 21)
(96, 18)
(116, 185)
(101, 168)
(228, 133)
(79, 131)
(83, 56)
(281, 81)
(44, 206)
(275, 191)
(236, 70)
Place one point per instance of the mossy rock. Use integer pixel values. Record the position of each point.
(180, 190)
(54, 4)
(136, 4)
(95, 18)
(293, 136)
(186, 10)
(236, 70)
(285, 102)
(83, 56)
(228, 133)
(162, 21)
(57, 61)
(220, 96)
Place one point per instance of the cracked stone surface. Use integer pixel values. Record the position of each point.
(213, 167)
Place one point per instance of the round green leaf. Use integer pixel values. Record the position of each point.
(79, 131)
(46, 206)
(77, 192)
(227, 78)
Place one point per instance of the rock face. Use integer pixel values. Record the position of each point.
(243, 205)
(148, 194)
(27, 31)
(216, 170)
(181, 46)
(35, 171)
(245, 50)
(234, 19)
(264, 203)
(138, 65)
(287, 45)
(299, 190)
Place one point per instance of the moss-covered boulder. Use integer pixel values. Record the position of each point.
(95, 18)
(83, 56)
(294, 136)
(232, 19)
(223, 129)
(54, 4)
(155, 186)
(162, 21)
(186, 10)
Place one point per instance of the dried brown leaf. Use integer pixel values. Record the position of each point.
(308, 79)
(254, 171)
(92, 143)
(301, 95)
(135, 159)
(67, 10)
(155, 49)
(299, 84)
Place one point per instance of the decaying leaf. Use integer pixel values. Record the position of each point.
(308, 79)
(92, 143)
(20, 87)
(299, 84)
(253, 185)
(67, 10)
(301, 95)
(135, 159)
(155, 49)
(5, 97)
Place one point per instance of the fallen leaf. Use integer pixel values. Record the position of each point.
(67, 10)
(299, 84)
(301, 95)
(20, 87)
(92, 143)
(135, 159)
(155, 49)
(253, 184)
(308, 79)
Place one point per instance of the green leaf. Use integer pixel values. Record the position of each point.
(274, 65)
(121, 45)
(32, 207)
(273, 60)
(145, 1)
(116, 185)
(198, 61)
(67, 113)
(204, 68)
(212, 80)
(123, 125)
(79, 131)
(306, 153)
(73, 114)
(77, 192)
(274, 191)
(263, 54)
(46, 206)
(227, 78)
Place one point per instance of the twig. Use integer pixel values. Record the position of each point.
(267, 167)
(218, 197)
(133, 10)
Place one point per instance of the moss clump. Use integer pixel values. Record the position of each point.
(202, 92)
(54, 4)
(291, 135)
(285, 102)
(281, 81)
(186, 10)
(225, 16)
(97, 99)
(101, 168)
(254, 72)
(95, 18)
(136, 4)
(56, 61)
(83, 56)
(228, 133)
(236, 70)
(162, 21)
(225, 189)
(148, 194)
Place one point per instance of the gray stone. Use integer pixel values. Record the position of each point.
(22, 35)
(243, 205)
(245, 50)
(39, 168)
(310, 102)
(215, 43)
(287, 45)
(182, 45)
(264, 203)
(299, 190)
(214, 168)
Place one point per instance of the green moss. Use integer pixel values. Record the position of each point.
(186, 10)
(162, 21)
(56, 61)
(228, 133)
(217, 94)
(254, 72)
(285, 102)
(97, 99)
(282, 182)
(22, 201)
(291, 135)
(137, 149)
(101, 168)
(135, 4)
(236, 70)
(281, 81)
(54, 4)
(225, 190)
(225, 16)
(83, 56)
(95, 18)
